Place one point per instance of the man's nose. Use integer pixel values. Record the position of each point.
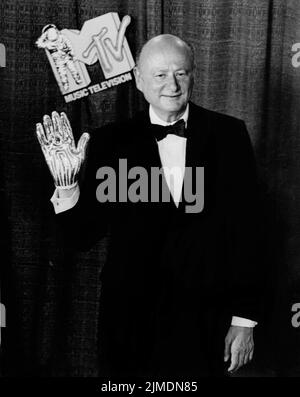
(173, 83)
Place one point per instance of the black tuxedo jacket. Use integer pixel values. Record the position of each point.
(172, 279)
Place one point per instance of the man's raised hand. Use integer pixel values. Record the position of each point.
(57, 142)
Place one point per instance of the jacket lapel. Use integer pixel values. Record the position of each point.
(198, 134)
(196, 148)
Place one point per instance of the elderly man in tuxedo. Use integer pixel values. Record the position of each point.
(180, 294)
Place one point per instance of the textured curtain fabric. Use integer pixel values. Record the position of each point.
(243, 68)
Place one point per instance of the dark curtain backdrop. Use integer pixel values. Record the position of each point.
(243, 58)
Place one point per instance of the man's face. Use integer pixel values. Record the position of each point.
(165, 77)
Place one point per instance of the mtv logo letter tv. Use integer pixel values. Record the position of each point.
(69, 52)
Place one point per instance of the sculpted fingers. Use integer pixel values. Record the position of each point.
(57, 142)
(40, 133)
(48, 126)
(67, 129)
(82, 144)
(67, 167)
(58, 127)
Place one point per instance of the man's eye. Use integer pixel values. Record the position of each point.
(160, 75)
(181, 74)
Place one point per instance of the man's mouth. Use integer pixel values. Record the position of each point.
(172, 96)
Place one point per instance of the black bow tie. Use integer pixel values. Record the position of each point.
(160, 132)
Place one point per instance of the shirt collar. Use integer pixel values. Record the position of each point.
(154, 119)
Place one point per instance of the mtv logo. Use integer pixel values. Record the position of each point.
(2, 56)
(100, 39)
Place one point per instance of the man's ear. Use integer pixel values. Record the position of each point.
(138, 78)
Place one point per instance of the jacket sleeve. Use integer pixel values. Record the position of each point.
(246, 278)
(80, 227)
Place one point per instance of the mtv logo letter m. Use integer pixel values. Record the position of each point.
(100, 39)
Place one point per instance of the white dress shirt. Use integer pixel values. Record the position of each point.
(172, 151)
(172, 155)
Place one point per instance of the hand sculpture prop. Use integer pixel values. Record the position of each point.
(57, 142)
